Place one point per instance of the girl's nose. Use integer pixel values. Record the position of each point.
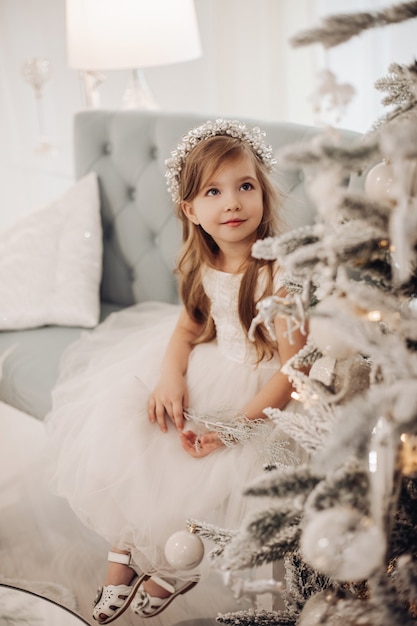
(232, 203)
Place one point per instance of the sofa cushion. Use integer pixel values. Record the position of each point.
(29, 364)
(51, 260)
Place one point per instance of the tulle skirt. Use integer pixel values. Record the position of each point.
(123, 477)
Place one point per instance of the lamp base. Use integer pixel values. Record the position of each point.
(138, 94)
(91, 81)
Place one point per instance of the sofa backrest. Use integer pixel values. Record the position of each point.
(128, 149)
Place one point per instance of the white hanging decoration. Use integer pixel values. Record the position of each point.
(381, 465)
(403, 221)
(330, 98)
(343, 378)
(399, 144)
(343, 544)
(184, 550)
(250, 589)
(380, 183)
(290, 307)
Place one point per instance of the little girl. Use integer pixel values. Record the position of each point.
(129, 463)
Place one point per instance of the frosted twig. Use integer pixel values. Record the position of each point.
(336, 29)
(233, 428)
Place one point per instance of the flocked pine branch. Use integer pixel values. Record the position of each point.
(270, 247)
(258, 618)
(404, 574)
(284, 483)
(401, 88)
(399, 84)
(337, 29)
(354, 206)
(355, 236)
(217, 535)
(262, 526)
(241, 555)
(403, 539)
(347, 484)
(266, 536)
(358, 237)
(308, 430)
(326, 151)
(302, 581)
(386, 604)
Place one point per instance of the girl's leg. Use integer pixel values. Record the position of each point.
(155, 590)
(121, 584)
(156, 594)
(118, 573)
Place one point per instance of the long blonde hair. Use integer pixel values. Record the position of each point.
(200, 249)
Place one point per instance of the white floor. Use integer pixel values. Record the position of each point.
(41, 541)
(21, 608)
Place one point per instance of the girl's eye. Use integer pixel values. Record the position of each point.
(247, 186)
(212, 192)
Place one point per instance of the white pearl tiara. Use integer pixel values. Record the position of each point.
(253, 136)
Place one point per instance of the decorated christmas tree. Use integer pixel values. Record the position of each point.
(345, 520)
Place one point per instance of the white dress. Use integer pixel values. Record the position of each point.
(123, 477)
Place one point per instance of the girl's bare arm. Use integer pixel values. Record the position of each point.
(170, 396)
(277, 391)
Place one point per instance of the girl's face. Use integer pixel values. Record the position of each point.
(229, 205)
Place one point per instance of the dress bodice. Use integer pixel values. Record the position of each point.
(222, 289)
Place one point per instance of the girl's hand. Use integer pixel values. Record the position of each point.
(168, 399)
(197, 447)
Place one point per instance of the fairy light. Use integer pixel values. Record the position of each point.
(374, 316)
(295, 395)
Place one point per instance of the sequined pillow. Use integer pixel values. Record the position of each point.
(50, 263)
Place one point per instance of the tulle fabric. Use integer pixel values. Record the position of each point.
(124, 478)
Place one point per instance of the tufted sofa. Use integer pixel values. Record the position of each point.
(127, 150)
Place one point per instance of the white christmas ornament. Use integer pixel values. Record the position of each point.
(334, 609)
(184, 550)
(330, 338)
(380, 183)
(342, 543)
(317, 609)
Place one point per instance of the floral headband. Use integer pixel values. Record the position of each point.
(233, 128)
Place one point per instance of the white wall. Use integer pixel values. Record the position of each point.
(363, 59)
(248, 69)
(245, 70)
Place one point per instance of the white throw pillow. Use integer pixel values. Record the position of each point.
(51, 261)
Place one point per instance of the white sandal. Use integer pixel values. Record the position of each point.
(146, 605)
(113, 600)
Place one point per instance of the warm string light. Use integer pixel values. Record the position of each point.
(408, 454)
(374, 316)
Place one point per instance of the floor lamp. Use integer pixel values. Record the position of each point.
(129, 34)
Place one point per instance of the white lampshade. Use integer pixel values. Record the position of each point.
(121, 34)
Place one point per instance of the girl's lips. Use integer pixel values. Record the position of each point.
(233, 222)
